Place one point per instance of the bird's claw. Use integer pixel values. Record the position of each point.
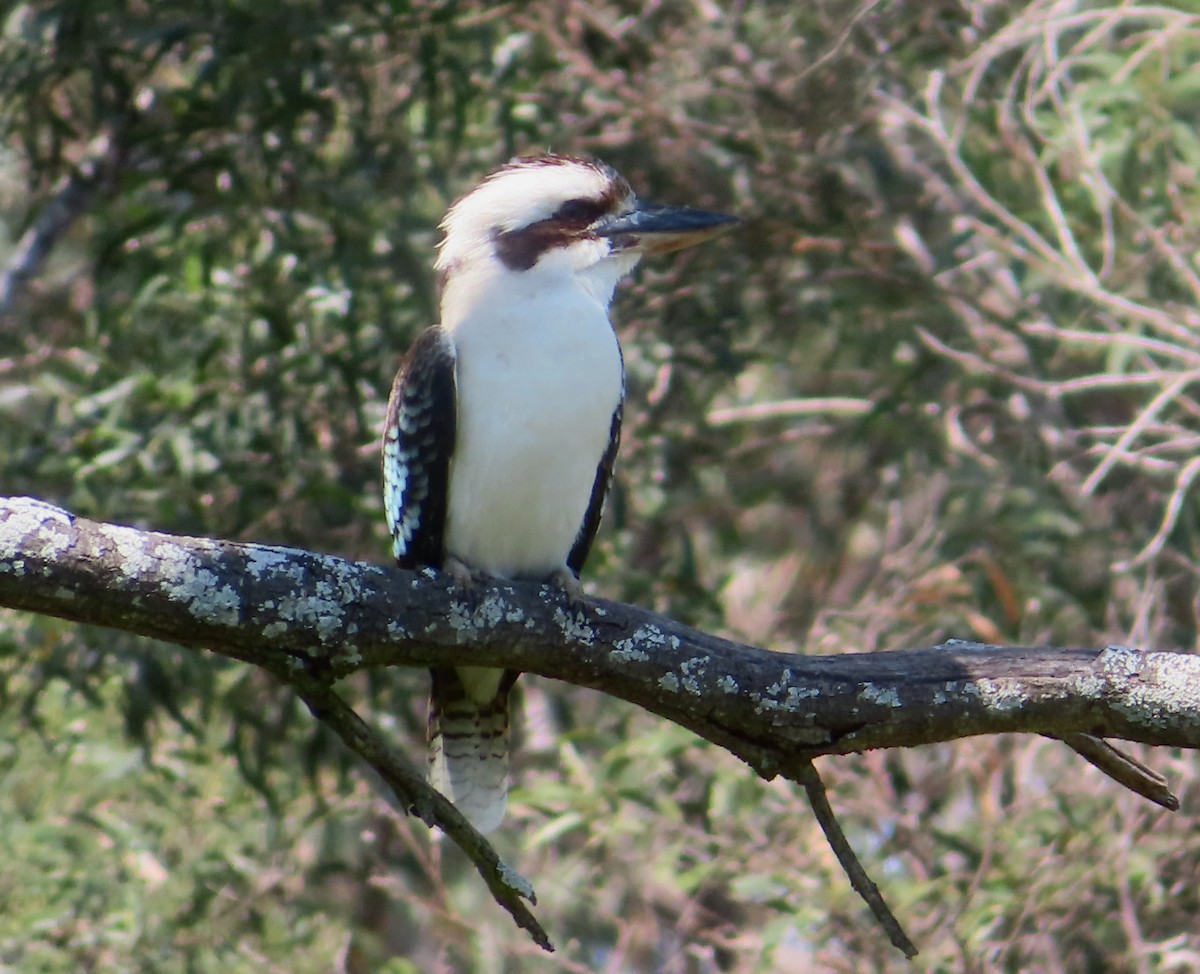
(566, 582)
(466, 579)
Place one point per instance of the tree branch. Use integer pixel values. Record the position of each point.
(312, 619)
(1124, 770)
(507, 886)
(72, 197)
(863, 885)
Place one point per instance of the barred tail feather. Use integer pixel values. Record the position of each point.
(468, 741)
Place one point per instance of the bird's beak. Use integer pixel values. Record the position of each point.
(655, 229)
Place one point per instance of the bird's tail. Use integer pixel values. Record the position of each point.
(468, 740)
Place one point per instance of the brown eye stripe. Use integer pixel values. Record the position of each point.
(520, 249)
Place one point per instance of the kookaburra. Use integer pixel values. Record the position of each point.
(504, 419)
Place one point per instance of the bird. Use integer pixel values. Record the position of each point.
(504, 419)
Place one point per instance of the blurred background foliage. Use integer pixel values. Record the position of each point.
(941, 384)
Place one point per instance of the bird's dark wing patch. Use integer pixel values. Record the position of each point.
(595, 509)
(418, 441)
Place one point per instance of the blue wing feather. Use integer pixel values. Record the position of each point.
(418, 443)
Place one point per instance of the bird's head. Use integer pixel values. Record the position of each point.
(560, 215)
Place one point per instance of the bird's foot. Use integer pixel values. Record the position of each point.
(468, 580)
(563, 579)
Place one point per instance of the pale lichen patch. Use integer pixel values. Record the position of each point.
(649, 634)
(468, 617)
(490, 611)
(796, 694)
(762, 703)
(574, 626)
(999, 694)
(692, 670)
(1088, 685)
(198, 589)
(261, 560)
(135, 556)
(347, 578)
(1151, 689)
(793, 697)
(625, 652)
(727, 683)
(322, 614)
(53, 546)
(1175, 677)
(884, 696)
(185, 580)
(335, 589)
(630, 648)
(669, 682)
(27, 518)
(778, 686)
(514, 880)
(1119, 661)
(460, 618)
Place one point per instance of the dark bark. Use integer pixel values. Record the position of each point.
(283, 608)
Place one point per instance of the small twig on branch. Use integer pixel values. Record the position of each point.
(1123, 769)
(806, 774)
(417, 796)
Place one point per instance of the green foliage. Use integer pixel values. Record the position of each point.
(975, 223)
(152, 852)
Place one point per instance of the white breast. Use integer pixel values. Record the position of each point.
(539, 378)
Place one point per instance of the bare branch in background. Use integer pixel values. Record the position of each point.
(1058, 245)
(70, 201)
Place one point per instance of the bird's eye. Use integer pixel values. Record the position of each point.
(576, 212)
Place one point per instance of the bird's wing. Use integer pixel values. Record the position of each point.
(591, 520)
(418, 441)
